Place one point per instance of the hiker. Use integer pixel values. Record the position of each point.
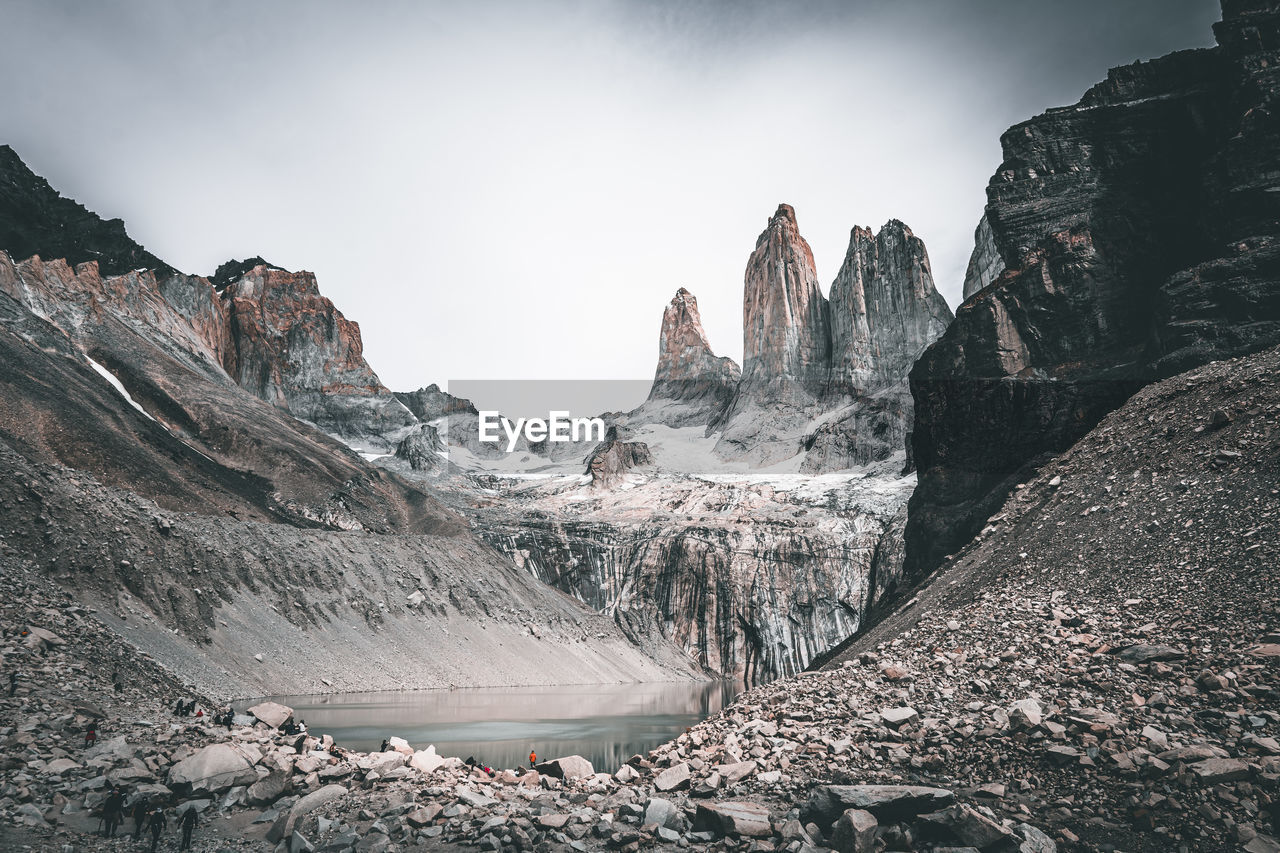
(91, 735)
(228, 718)
(112, 812)
(188, 824)
(533, 758)
(13, 682)
(386, 744)
(139, 818)
(302, 726)
(156, 825)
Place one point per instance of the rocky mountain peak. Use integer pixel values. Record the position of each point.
(684, 353)
(691, 385)
(233, 270)
(786, 324)
(884, 307)
(36, 220)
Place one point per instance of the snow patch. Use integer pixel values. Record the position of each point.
(116, 384)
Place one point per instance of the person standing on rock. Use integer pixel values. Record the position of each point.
(91, 735)
(533, 758)
(188, 826)
(386, 743)
(112, 812)
(156, 825)
(139, 818)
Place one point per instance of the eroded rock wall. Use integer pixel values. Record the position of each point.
(1140, 234)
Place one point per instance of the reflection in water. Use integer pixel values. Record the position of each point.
(605, 723)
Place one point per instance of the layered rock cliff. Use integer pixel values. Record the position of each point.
(691, 385)
(1140, 234)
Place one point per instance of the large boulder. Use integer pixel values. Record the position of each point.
(272, 713)
(382, 763)
(889, 803)
(285, 823)
(732, 817)
(214, 768)
(426, 760)
(569, 767)
(674, 778)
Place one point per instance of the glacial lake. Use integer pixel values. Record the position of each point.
(604, 723)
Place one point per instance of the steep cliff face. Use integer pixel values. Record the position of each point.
(36, 220)
(985, 263)
(785, 318)
(752, 579)
(828, 379)
(691, 385)
(884, 308)
(296, 350)
(1140, 231)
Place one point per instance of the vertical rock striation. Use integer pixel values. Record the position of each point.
(691, 385)
(1140, 234)
(884, 308)
(785, 318)
(985, 263)
(827, 379)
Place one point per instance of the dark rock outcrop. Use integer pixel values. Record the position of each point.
(422, 449)
(1140, 231)
(232, 270)
(430, 403)
(691, 385)
(36, 220)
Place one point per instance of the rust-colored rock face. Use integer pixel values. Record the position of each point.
(296, 350)
(785, 318)
(827, 379)
(691, 385)
(1139, 231)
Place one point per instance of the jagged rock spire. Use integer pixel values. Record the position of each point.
(786, 323)
(884, 308)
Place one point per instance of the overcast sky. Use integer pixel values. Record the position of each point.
(515, 190)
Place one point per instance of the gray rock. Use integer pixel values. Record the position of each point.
(888, 803)
(674, 778)
(855, 832)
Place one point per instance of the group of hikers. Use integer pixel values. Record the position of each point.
(147, 817)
